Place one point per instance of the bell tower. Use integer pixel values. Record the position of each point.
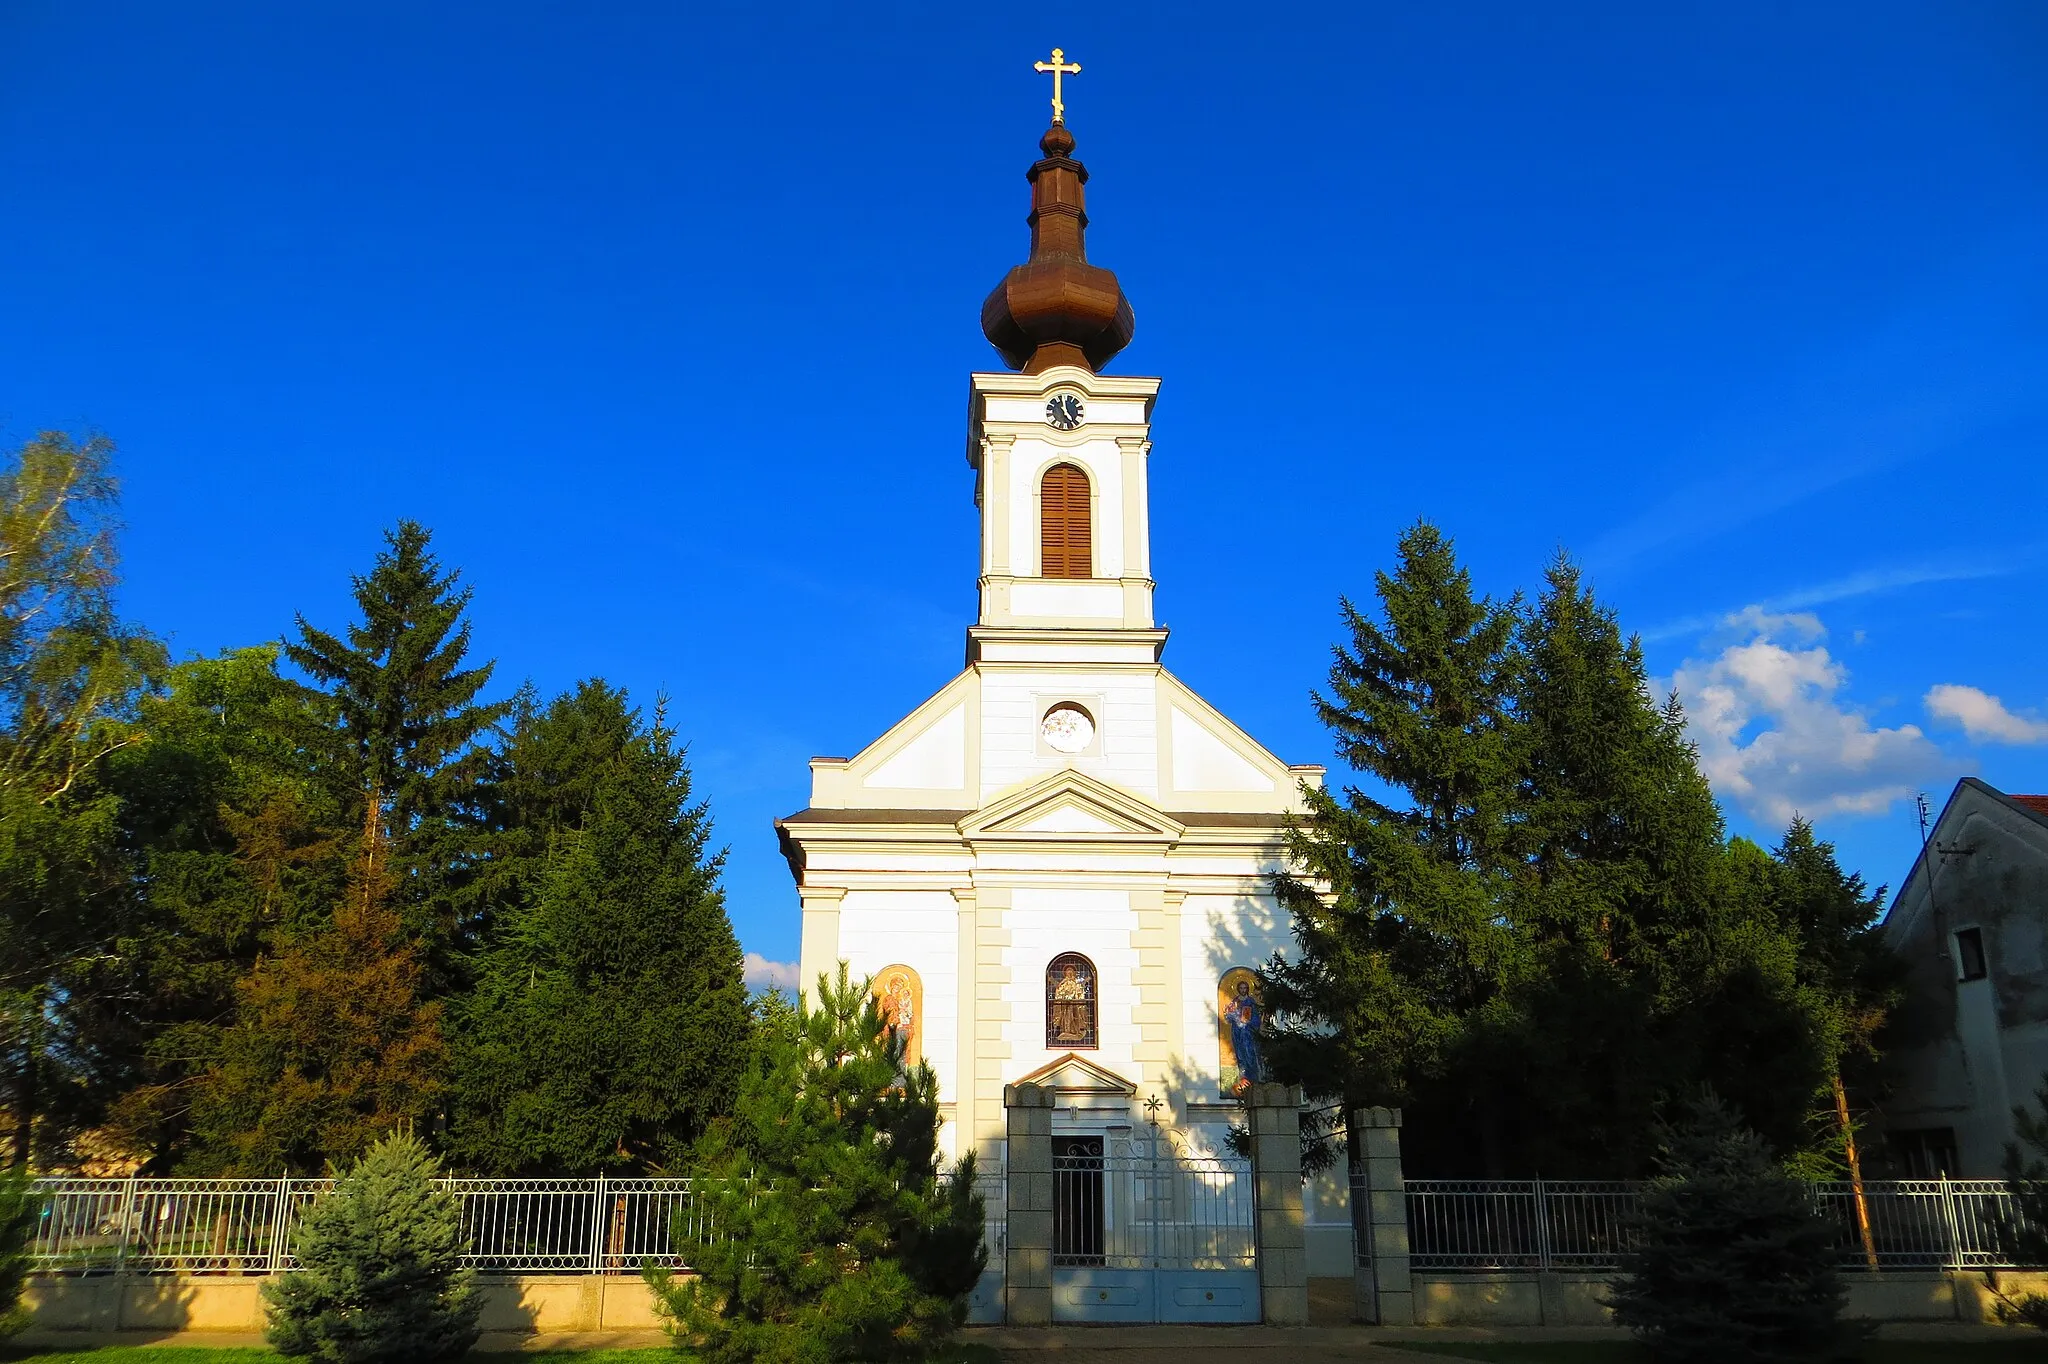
(1059, 449)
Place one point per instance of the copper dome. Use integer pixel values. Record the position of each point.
(1056, 308)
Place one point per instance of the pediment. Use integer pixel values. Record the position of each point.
(1075, 1074)
(1210, 757)
(1069, 804)
(924, 761)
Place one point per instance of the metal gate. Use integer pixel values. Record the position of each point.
(1143, 1234)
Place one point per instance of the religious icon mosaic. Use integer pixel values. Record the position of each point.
(900, 996)
(1239, 1015)
(1070, 1013)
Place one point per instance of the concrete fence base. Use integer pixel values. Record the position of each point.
(1532, 1299)
(530, 1303)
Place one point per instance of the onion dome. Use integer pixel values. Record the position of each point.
(1056, 308)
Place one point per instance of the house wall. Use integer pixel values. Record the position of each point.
(1966, 1051)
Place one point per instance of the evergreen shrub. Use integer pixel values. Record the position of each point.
(21, 1208)
(1732, 1263)
(382, 1279)
(2023, 1233)
(821, 1227)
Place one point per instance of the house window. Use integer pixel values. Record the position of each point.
(1070, 1003)
(1923, 1152)
(1970, 953)
(1065, 538)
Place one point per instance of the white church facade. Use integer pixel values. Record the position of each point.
(1058, 868)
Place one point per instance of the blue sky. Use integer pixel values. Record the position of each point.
(661, 317)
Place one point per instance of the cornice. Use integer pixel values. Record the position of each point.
(1150, 643)
(1009, 385)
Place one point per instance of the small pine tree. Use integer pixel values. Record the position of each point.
(821, 1230)
(383, 1279)
(21, 1208)
(1732, 1265)
(2023, 1234)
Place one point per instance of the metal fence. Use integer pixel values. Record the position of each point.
(1465, 1224)
(995, 1222)
(246, 1226)
(1142, 1212)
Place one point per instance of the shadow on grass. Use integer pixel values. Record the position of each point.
(2030, 1348)
(193, 1354)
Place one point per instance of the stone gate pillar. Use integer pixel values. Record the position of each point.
(1275, 1112)
(1383, 1293)
(1027, 1262)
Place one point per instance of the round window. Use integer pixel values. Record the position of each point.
(1067, 728)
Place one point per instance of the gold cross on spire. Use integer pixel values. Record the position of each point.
(1059, 66)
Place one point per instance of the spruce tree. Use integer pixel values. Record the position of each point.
(1618, 842)
(406, 708)
(609, 1021)
(1420, 699)
(821, 1229)
(337, 1032)
(1531, 933)
(1731, 1263)
(1621, 833)
(335, 1043)
(1844, 964)
(239, 848)
(381, 1278)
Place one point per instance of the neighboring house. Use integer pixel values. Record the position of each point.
(1972, 1035)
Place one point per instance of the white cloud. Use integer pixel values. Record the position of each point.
(1776, 736)
(763, 974)
(1983, 716)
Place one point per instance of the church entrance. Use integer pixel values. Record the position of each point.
(1142, 1233)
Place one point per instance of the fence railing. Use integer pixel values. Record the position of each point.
(247, 1226)
(1466, 1224)
(1144, 1212)
(995, 1223)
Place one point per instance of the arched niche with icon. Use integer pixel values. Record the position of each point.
(899, 994)
(1240, 1013)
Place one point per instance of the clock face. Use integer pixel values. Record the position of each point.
(1067, 728)
(1064, 410)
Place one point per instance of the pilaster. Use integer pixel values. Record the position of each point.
(966, 1119)
(1137, 502)
(1156, 940)
(1383, 1290)
(991, 979)
(818, 953)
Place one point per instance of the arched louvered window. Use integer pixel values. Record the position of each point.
(1065, 545)
(1070, 1001)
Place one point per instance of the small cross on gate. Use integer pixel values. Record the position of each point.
(1058, 66)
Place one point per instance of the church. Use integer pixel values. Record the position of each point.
(1057, 867)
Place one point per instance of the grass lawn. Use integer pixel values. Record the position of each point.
(185, 1354)
(182, 1354)
(2030, 1347)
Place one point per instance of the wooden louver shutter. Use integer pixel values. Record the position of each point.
(1066, 549)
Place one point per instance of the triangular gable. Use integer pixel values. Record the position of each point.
(1211, 757)
(1073, 1074)
(1068, 804)
(929, 750)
